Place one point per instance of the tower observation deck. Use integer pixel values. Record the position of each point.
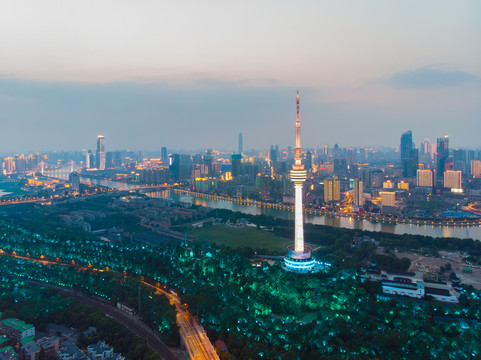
(299, 256)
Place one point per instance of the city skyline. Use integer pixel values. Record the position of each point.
(197, 78)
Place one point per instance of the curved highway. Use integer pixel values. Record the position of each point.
(191, 332)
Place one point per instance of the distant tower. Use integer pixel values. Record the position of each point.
(241, 148)
(299, 257)
(163, 154)
(273, 155)
(101, 152)
(409, 155)
(89, 160)
(426, 147)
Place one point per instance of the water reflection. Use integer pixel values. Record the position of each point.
(350, 223)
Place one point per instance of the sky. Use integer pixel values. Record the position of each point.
(193, 74)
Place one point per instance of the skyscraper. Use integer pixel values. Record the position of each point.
(308, 161)
(442, 151)
(426, 147)
(236, 160)
(101, 152)
(406, 144)
(299, 257)
(409, 155)
(89, 160)
(163, 154)
(241, 148)
(273, 155)
(358, 194)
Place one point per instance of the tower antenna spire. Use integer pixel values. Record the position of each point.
(298, 162)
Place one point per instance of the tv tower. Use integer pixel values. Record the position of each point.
(299, 257)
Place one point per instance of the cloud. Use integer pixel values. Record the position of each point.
(429, 77)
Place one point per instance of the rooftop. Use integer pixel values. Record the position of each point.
(16, 324)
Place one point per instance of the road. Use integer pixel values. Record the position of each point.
(192, 333)
(131, 322)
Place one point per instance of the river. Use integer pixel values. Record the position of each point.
(462, 232)
(473, 232)
(2, 193)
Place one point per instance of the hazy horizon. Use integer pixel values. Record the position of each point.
(194, 75)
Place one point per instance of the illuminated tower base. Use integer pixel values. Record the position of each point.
(301, 261)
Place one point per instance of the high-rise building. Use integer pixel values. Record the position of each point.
(20, 163)
(174, 166)
(8, 165)
(442, 152)
(426, 147)
(74, 181)
(377, 178)
(452, 179)
(403, 185)
(351, 157)
(236, 164)
(241, 146)
(273, 155)
(207, 161)
(388, 198)
(476, 168)
(308, 161)
(388, 202)
(365, 173)
(163, 154)
(89, 160)
(101, 152)
(358, 195)
(409, 155)
(459, 160)
(425, 178)
(299, 256)
(388, 184)
(332, 189)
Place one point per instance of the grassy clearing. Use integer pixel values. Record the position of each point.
(241, 238)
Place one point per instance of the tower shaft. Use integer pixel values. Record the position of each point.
(298, 176)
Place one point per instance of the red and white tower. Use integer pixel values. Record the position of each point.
(299, 257)
(298, 176)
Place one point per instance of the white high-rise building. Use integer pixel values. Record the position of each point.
(452, 179)
(425, 178)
